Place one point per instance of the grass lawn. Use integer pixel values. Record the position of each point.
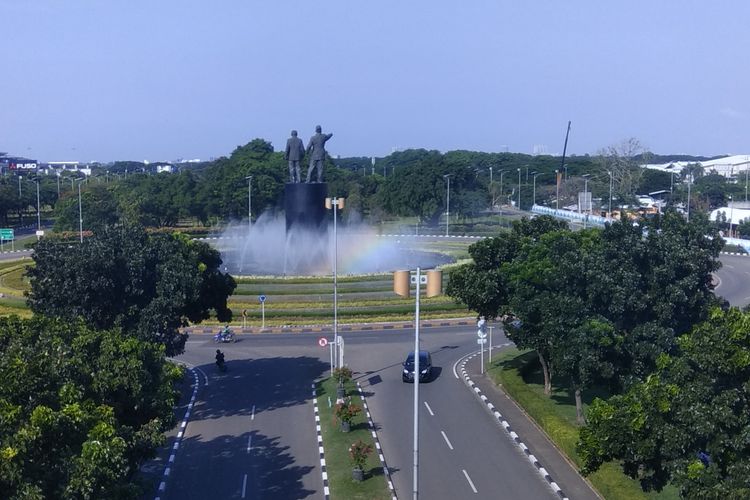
(336, 445)
(519, 374)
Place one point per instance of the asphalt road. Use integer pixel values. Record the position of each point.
(252, 432)
(734, 280)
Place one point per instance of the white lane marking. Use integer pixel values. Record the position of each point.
(244, 485)
(252, 416)
(249, 442)
(719, 282)
(429, 409)
(467, 478)
(204, 374)
(446, 440)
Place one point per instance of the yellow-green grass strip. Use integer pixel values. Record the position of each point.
(556, 416)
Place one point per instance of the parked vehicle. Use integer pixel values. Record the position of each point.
(425, 367)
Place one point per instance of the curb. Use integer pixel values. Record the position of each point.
(178, 439)
(328, 329)
(386, 472)
(321, 451)
(735, 253)
(504, 423)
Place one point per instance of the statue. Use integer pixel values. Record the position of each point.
(317, 150)
(294, 153)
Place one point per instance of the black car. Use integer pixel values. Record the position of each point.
(425, 367)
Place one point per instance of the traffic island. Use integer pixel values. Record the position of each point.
(338, 446)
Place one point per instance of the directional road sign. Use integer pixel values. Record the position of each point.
(6, 234)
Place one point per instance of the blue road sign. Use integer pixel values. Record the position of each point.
(262, 298)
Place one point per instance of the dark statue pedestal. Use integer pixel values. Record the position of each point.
(305, 206)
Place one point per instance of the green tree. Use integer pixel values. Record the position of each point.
(149, 285)
(80, 409)
(687, 422)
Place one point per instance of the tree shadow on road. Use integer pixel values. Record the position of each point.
(257, 385)
(215, 469)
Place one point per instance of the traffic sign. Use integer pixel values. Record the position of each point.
(481, 341)
(422, 279)
(481, 334)
(262, 298)
(322, 341)
(6, 234)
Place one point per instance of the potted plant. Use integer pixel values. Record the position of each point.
(342, 374)
(358, 452)
(345, 413)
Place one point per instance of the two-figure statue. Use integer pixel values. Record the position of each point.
(295, 152)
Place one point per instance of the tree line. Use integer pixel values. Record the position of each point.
(629, 310)
(409, 183)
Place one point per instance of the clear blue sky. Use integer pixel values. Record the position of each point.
(158, 80)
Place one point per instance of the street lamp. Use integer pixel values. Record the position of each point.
(447, 177)
(336, 204)
(502, 172)
(731, 214)
(535, 174)
(610, 195)
(557, 189)
(519, 189)
(38, 213)
(690, 179)
(585, 192)
(249, 202)
(80, 211)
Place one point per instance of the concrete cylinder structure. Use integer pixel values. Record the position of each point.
(402, 283)
(434, 283)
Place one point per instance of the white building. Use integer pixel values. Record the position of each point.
(728, 166)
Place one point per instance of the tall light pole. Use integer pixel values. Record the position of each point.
(19, 185)
(502, 172)
(80, 212)
(38, 213)
(731, 214)
(610, 195)
(447, 177)
(492, 194)
(557, 189)
(585, 192)
(417, 369)
(535, 174)
(336, 204)
(690, 179)
(519, 189)
(58, 184)
(249, 202)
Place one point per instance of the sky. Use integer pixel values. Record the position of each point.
(160, 80)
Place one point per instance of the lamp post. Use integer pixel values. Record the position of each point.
(535, 174)
(731, 214)
(249, 202)
(80, 212)
(519, 189)
(58, 184)
(690, 179)
(335, 204)
(447, 177)
(38, 213)
(502, 172)
(19, 185)
(610, 195)
(585, 192)
(557, 189)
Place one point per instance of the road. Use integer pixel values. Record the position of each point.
(252, 433)
(734, 280)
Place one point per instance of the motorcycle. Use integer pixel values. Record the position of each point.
(224, 336)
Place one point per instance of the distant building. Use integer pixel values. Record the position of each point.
(17, 164)
(728, 166)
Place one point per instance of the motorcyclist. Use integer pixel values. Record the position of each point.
(220, 359)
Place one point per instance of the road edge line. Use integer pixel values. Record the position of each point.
(321, 452)
(178, 438)
(386, 472)
(506, 426)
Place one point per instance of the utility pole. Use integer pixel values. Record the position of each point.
(448, 203)
(519, 189)
(557, 188)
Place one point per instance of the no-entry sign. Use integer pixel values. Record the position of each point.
(322, 341)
